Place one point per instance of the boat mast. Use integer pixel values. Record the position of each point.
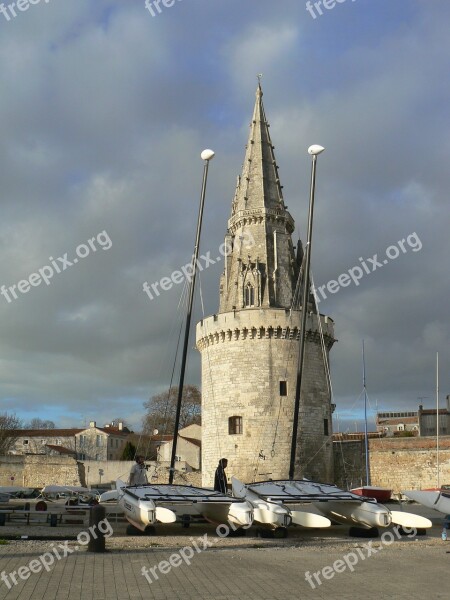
(437, 418)
(366, 435)
(206, 155)
(314, 151)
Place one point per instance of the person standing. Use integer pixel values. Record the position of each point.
(138, 473)
(220, 477)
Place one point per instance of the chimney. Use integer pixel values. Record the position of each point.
(448, 403)
(92, 424)
(120, 426)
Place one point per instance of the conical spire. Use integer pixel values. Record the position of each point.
(260, 269)
(259, 184)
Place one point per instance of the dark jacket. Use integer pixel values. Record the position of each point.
(220, 480)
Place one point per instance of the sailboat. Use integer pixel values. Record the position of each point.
(381, 494)
(147, 504)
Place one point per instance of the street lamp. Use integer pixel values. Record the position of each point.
(314, 151)
(206, 156)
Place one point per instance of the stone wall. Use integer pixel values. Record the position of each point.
(396, 463)
(39, 470)
(12, 470)
(349, 463)
(409, 463)
(245, 355)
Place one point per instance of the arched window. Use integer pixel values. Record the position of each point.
(249, 299)
(235, 425)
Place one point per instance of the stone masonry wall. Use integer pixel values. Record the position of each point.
(244, 357)
(396, 463)
(11, 470)
(39, 470)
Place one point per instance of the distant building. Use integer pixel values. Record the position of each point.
(418, 423)
(43, 441)
(427, 420)
(397, 423)
(101, 443)
(189, 448)
(93, 443)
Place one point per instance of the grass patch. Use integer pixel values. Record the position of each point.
(3, 542)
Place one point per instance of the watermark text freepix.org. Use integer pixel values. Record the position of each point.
(154, 8)
(10, 10)
(351, 559)
(186, 554)
(328, 4)
(186, 272)
(58, 265)
(58, 552)
(367, 266)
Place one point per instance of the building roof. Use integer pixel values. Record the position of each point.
(399, 421)
(192, 441)
(358, 435)
(108, 430)
(187, 439)
(44, 432)
(432, 411)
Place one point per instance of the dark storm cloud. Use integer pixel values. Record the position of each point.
(103, 113)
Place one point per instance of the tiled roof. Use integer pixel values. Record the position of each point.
(44, 432)
(192, 441)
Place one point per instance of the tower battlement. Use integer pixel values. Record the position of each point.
(256, 324)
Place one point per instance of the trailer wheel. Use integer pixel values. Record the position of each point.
(359, 532)
(280, 533)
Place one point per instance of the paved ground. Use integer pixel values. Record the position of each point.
(229, 569)
(400, 571)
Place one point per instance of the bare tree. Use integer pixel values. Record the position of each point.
(37, 423)
(8, 424)
(161, 410)
(124, 422)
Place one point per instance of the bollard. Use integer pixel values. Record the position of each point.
(2, 519)
(53, 520)
(97, 538)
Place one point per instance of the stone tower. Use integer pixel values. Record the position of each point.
(250, 349)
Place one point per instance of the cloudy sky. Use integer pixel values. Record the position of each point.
(104, 110)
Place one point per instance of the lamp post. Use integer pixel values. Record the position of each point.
(314, 151)
(206, 156)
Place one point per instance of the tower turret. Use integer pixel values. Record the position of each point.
(250, 349)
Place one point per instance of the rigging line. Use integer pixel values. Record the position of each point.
(181, 301)
(211, 383)
(290, 351)
(325, 355)
(326, 368)
(290, 347)
(183, 304)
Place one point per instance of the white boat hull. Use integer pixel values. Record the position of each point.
(147, 504)
(409, 520)
(360, 514)
(431, 499)
(276, 514)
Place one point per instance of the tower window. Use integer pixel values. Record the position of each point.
(325, 427)
(283, 388)
(235, 425)
(249, 299)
